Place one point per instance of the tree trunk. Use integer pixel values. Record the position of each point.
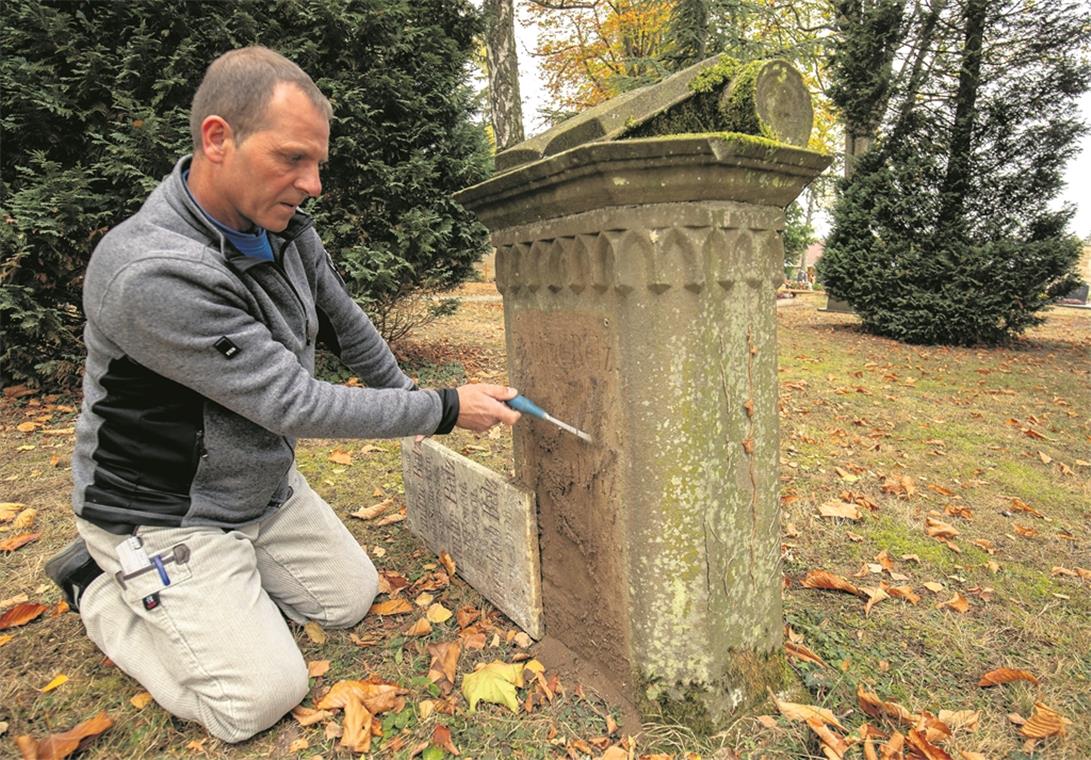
(961, 148)
(503, 64)
(855, 146)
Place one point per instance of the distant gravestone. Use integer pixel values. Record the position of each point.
(837, 306)
(485, 523)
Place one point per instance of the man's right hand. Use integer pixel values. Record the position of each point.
(480, 406)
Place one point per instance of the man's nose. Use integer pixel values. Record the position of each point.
(310, 182)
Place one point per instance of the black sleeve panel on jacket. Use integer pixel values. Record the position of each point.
(449, 398)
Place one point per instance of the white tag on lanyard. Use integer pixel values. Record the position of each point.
(132, 556)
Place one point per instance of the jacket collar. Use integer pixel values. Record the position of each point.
(178, 197)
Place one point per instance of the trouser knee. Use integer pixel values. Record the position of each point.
(356, 596)
(258, 703)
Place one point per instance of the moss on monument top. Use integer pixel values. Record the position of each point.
(715, 75)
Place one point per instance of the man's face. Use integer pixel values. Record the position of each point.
(274, 169)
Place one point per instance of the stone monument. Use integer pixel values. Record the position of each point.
(638, 269)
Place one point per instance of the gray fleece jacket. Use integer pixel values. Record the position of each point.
(200, 370)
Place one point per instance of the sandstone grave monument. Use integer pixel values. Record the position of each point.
(638, 254)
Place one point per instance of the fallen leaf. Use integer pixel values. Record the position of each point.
(425, 708)
(437, 613)
(299, 745)
(495, 683)
(316, 668)
(5, 638)
(871, 704)
(1025, 531)
(836, 508)
(62, 745)
(1084, 573)
(340, 457)
(1046, 458)
(397, 517)
(397, 606)
(937, 529)
(370, 513)
(1006, 675)
(27, 427)
(967, 755)
(444, 665)
(959, 720)
(875, 595)
(1058, 570)
(375, 694)
(13, 600)
(314, 632)
(940, 490)
(21, 614)
(11, 544)
(830, 741)
(421, 627)
(904, 592)
(332, 730)
(307, 716)
(423, 600)
(801, 652)
(845, 475)
(929, 751)
(448, 563)
(1018, 505)
(959, 510)
(795, 711)
(932, 586)
(985, 545)
(821, 579)
(57, 681)
(441, 737)
(356, 727)
(24, 519)
(958, 603)
(1044, 722)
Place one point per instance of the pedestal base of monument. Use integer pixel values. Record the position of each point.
(487, 525)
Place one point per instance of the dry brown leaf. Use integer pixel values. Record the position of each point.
(892, 747)
(314, 632)
(24, 519)
(831, 741)
(1025, 531)
(13, 600)
(419, 628)
(62, 745)
(1058, 570)
(958, 603)
(423, 600)
(959, 510)
(397, 517)
(1084, 573)
(397, 606)
(21, 614)
(1046, 458)
(140, 700)
(837, 508)
(985, 545)
(967, 755)
(448, 563)
(959, 720)
(11, 544)
(441, 737)
(801, 652)
(339, 456)
(9, 509)
(940, 490)
(27, 427)
(299, 745)
(877, 708)
(929, 751)
(904, 592)
(821, 579)
(307, 716)
(376, 695)
(1019, 505)
(5, 638)
(316, 668)
(794, 711)
(932, 586)
(370, 513)
(1044, 722)
(938, 529)
(332, 730)
(391, 582)
(356, 727)
(1006, 675)
(875, 594)
(444, 665)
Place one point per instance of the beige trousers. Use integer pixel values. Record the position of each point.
(213, 645)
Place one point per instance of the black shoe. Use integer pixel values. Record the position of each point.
(73, 570)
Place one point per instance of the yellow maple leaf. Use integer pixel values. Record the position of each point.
(495, 683)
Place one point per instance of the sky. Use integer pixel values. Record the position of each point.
(1077, 175)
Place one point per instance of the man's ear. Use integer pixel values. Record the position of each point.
(215, 134)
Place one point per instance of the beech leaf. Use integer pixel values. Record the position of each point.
(1006, 675)
(21, 614)
(794, 711)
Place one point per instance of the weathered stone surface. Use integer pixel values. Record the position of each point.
(639, 286)
(761, 98)
(713, 167)
(484, 522)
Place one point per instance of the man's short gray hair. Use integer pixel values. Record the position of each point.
(239, 85)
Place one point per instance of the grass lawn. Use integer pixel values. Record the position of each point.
(992, 443)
